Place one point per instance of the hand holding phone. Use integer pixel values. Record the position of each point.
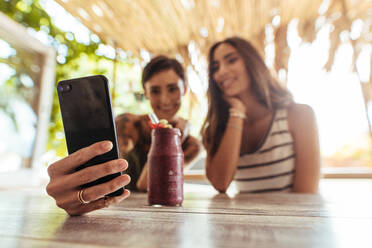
(65, 181)
(87, 119)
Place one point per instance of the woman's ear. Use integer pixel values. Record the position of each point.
(146, 92)
(147, 95)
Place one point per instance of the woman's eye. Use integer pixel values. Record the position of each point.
(173, 89)
(232, 60)
(155, 92)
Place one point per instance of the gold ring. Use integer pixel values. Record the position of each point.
(80, 197)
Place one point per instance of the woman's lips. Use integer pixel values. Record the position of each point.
(227, 83)
(168, 109)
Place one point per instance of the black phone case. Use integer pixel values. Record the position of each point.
(87, 117)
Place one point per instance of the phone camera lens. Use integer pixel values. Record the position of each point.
(64, 88)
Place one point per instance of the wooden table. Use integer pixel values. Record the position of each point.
(29, 218)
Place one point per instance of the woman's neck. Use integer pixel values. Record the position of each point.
(253, 109)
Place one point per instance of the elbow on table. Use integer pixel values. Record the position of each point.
(306, 189)
(220, 184)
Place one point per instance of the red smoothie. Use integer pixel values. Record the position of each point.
(165, 161)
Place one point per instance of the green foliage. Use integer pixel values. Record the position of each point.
(81, 60)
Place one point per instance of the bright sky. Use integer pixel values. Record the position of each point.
(65, 21)
(336, 97)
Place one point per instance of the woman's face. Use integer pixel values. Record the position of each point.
(229, 70)
(164, 90)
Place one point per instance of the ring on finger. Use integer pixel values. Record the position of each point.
(80, 197)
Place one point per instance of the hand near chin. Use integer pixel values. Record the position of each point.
(235, 103)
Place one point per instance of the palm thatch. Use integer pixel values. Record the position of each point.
(167, 27)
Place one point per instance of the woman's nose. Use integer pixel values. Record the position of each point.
(222, 70)
(165, 98)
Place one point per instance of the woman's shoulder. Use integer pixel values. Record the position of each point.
(300, 116)
(300, 110)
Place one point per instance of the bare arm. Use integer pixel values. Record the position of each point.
(190, 145)
(220, 169)
(142, 180)
(191, 149)
(302, 125)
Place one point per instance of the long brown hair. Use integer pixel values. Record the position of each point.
(265, 87)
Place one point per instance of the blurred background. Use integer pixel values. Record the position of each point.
(320, 49)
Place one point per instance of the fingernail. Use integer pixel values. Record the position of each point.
(126, 179)
(128, 194)
(107, 145)
(121, 163)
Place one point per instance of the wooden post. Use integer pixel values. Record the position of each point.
(17, 35)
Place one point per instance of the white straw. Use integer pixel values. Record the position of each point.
(154, 119)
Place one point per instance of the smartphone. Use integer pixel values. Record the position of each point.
(87, 118)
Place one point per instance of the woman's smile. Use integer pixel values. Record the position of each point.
(226, 84)
(168, 108)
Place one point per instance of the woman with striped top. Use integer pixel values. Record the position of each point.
(254, 133)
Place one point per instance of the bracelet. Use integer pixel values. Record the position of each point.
(236, 113)
(234, 126)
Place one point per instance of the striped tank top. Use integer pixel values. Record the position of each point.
(271, 168)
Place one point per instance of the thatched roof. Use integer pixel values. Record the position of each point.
(168, 26)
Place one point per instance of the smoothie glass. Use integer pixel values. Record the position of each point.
(165, 165)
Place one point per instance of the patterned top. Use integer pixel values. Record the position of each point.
(134, 141)
(271, 168)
